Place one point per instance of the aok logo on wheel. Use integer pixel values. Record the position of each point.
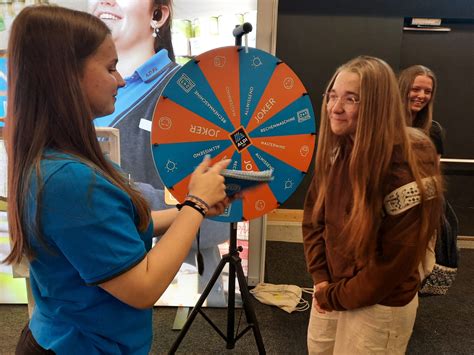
(240, 139)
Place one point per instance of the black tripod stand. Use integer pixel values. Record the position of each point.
(235, 268)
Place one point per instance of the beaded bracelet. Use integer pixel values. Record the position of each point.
(198, 203)
(197, 199)
(191, 204)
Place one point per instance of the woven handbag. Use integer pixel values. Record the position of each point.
(445, 269)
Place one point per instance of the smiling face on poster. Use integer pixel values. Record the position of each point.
(125, 18)
(139, 29)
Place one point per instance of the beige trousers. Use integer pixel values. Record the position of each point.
(370, 330)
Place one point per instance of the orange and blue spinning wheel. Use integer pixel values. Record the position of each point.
(248, 106)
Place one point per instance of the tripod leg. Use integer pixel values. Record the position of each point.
(248, 308)
(198, 306)
(231, 306)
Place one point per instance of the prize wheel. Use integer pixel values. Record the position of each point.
(246, 105)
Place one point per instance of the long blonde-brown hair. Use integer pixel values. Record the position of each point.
(424, 118)
(47, 108)
(380, 127)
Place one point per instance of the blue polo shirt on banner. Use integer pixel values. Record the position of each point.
(91, 236)
(138, 86)
(133, 115)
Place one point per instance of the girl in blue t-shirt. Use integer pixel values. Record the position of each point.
(85, 230)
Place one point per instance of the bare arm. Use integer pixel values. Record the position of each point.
(163, 219)
(143, 285)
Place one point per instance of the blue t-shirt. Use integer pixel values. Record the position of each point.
(90, 228)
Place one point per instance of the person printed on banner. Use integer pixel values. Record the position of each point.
(371, 209)
(141, 31)
(84, 227)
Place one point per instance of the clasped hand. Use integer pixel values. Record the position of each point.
(317, 288)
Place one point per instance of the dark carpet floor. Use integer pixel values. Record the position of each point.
(444, 325)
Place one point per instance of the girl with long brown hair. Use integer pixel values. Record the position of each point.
(372, 207)
(418, 86)
(84, 228)
(418, 90)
